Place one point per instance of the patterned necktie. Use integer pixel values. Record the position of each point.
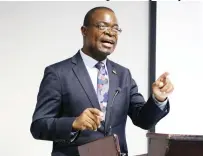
(102, 86)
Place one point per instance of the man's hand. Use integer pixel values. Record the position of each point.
(89, 119)
(162, 87)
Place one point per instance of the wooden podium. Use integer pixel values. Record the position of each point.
(175, 145)
(107, 146)
(159, 145)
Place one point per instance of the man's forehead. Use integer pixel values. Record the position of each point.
(104, 15)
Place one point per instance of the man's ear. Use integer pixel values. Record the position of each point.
(84, 31)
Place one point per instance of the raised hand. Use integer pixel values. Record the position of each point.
(162, 87)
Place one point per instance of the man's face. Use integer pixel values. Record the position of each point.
(101, 36)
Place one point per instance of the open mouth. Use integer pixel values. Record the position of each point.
(108, 43)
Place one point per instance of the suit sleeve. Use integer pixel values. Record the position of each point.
(47, 123)
(144, 114)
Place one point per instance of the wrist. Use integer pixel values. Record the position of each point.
(159, 99)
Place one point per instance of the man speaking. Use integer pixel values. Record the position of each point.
(88, 96)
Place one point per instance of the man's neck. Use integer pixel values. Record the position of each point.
(94, 55)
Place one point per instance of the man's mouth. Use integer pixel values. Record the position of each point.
(108, 43)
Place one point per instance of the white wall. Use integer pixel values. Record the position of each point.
(180, 52)
(36, 34)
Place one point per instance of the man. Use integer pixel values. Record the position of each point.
(75, 97)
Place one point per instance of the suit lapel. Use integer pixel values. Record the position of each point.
(113, 85)
(82, 75)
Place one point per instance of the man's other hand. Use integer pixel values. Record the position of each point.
(89, 119)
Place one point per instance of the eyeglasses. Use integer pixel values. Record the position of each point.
(105, 28)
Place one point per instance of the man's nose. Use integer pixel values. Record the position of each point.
(110, 32)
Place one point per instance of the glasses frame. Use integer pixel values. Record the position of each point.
(105, 28)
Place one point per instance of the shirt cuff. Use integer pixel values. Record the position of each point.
(74, 135)
(161, 105)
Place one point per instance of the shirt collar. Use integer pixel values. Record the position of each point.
(89, 61)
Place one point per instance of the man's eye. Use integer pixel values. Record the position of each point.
(102, 26)
(115, 28)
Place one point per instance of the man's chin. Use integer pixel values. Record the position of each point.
(106, 51)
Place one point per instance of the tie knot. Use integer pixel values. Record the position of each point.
(99, 65)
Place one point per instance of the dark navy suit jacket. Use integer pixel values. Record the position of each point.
(66, 91)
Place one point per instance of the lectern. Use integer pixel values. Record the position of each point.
(175, 145)
(107, 146)
(159, 145)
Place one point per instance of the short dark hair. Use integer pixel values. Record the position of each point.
(91, 12)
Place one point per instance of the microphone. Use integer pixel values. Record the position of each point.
(109, 131)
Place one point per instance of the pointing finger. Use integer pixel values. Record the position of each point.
(163, 76)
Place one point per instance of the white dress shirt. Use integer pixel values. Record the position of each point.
(90, 66)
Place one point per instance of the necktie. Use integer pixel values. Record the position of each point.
(102, 86)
